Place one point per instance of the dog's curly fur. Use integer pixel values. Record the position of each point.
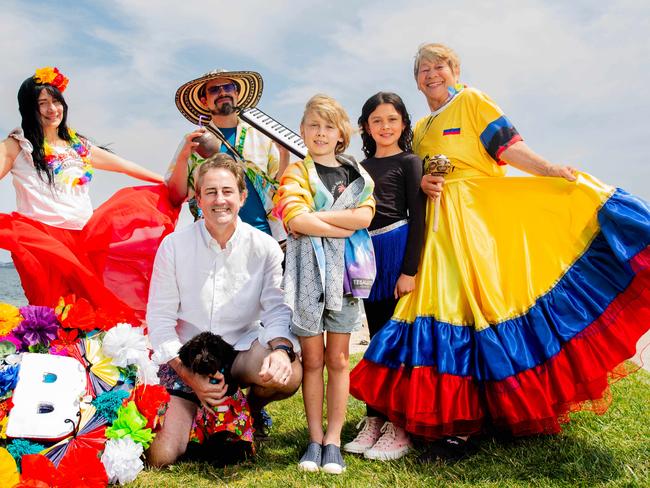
(207, 354)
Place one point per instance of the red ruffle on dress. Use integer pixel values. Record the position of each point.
(108, 262)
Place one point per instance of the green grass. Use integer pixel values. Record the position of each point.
(608, 450)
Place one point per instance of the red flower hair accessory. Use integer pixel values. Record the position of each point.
(51, 76)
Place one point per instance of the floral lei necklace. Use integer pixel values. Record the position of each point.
(55, 161)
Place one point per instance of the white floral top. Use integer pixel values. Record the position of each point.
(60, 204)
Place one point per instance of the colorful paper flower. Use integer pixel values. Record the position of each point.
(65, 340)
(130, 422)
(38, 327)
(108, 403)
(84, 469)
(8, 379)
(51, 76)
(122, 461)
(76, 314)
(36, 469)
(152, 402)
(10, 318)
(125, 345)
(8, 469)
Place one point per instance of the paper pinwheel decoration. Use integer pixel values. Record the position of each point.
(102, 373)
(89, 433)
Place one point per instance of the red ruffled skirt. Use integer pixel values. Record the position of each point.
(108, 262)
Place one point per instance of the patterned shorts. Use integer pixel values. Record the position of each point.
(174, 385)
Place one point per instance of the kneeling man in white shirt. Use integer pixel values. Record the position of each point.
(219, 275)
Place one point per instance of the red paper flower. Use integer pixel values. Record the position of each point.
(66, 339)
(83, 470)
(38, 471)
(152, 402)
(79, 315)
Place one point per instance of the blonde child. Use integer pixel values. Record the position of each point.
(326, 203)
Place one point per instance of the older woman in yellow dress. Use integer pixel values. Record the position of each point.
(530, 294)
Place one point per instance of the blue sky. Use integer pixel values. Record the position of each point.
(572, 76)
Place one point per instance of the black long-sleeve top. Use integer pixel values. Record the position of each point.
(398, 195)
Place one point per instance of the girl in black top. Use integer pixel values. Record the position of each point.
(397, 231)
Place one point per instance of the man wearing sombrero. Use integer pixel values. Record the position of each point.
(215, 97)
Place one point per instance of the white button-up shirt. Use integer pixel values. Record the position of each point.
(196, 286)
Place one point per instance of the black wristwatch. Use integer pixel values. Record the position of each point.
(288, 349)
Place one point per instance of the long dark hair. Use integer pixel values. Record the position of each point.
(405, 141)
(28, 94)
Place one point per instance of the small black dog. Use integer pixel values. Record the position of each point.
(207, 354)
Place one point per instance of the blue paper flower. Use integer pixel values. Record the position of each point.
(8, 379)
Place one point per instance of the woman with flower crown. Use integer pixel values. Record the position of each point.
(58, 244)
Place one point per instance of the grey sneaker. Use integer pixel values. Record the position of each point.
(311, 459)
(331, 460)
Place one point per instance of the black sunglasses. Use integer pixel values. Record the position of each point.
(227, 87)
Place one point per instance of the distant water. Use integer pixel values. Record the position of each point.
(10, 289)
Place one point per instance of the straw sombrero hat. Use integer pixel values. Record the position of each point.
(189, 103)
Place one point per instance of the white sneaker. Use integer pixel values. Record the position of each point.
(393, 444)
(366, 437)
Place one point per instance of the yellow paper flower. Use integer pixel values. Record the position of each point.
(3, 427)
(9, 318)
(45, 75)
(51, 76)
(8, 469)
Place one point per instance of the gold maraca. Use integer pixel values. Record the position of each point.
(439, 165)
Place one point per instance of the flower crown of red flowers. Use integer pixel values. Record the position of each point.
(51, 76)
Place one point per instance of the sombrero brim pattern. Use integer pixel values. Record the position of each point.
(189, 103)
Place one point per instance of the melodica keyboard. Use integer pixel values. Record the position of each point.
(275, 130)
